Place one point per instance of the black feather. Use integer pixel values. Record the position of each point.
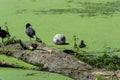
(30, 31)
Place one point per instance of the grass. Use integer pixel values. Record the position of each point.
(19, 74)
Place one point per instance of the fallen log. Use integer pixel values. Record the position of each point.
(50, 58)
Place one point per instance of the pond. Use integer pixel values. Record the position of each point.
(95, 22)
(21, 74)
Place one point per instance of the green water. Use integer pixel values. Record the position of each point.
(17, 62)
(7, 73)
(95, 21)
(19, 74)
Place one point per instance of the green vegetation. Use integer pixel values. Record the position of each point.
(88, 9)
(75, 44)
(105, 61)
(99, 78)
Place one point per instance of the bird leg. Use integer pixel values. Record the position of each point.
(38, 39)
(30, 39)
(3, 46)
(36, 36)
(2, 40)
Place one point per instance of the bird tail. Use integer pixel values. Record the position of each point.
(36, 36)
(32, 36)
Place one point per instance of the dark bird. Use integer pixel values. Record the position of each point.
(82, 44)
(30, 31)
(34, 45)
(69, 51)
(3, 34)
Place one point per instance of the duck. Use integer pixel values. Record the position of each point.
(82, 44)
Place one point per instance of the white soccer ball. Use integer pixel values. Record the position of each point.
(59, 39)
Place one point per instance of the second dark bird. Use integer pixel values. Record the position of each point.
(3, 34)
(82, 44)
(30, 31)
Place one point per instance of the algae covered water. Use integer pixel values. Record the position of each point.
(19, 74)
(96, 21)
